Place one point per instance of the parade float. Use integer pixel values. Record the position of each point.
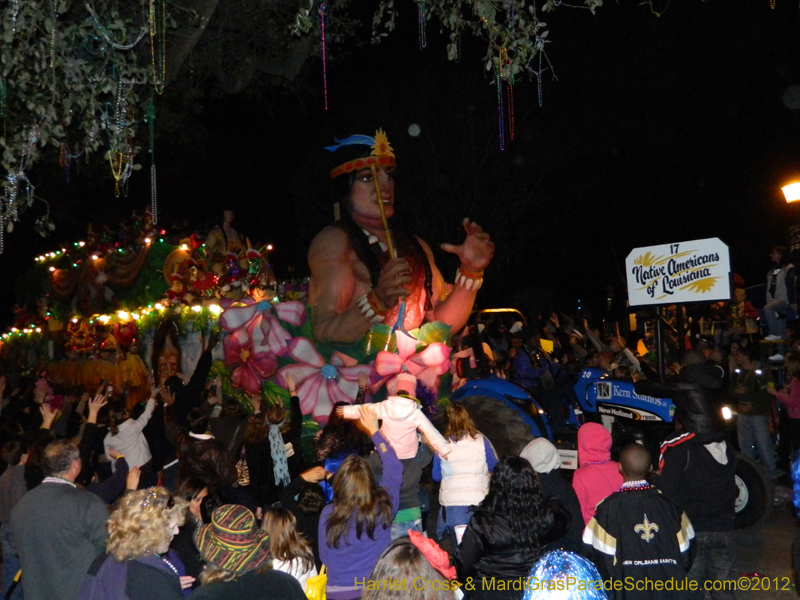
(125, 302)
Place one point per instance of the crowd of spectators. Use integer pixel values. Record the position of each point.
(185, 495)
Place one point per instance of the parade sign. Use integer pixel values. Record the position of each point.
(696, 271)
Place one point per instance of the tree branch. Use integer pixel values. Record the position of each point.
(288, 67)
(186, 38)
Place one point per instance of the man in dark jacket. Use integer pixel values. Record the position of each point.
(58, 529)
(698, 469)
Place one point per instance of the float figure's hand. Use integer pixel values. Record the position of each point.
(477, 250)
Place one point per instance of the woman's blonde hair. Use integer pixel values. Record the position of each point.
(459, 424)
(285, 543)
(141, 524)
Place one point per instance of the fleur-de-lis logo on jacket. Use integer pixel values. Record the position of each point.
(647, 529)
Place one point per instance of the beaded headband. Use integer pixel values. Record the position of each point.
(152, 494)
(382, 153)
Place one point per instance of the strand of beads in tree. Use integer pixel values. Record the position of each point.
(65, 158)
(120, 154)
(539, 50)
(12, 204)
(3, 102)
(323, 17)
(421, 21)
(150, 117)
(501, 127)
(105, 32)
(117, 161)
(14, 15)
(158, 44)
(505, 82)
(510, 104)
(56, 6)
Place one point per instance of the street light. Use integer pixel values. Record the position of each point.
(792, 192)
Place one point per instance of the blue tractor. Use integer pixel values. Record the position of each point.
(511, 417)
(598, 394)
(648, 420)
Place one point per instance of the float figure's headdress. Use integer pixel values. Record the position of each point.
(381, 153)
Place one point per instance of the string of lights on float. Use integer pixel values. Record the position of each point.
(140, 315)
(198, 312)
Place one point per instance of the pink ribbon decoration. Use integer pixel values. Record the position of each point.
(425, 366)
(320, 385)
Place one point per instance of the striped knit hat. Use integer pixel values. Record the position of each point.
(232, 541)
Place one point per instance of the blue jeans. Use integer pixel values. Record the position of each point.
(775, 324)
(10, 561)
(401, 529)
(449, 517)
(713, 561)
(755, 441)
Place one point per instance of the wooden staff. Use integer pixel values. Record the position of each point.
(387, 232)
(401, 314)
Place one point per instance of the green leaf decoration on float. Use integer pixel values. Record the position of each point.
(218, 368)
(431, 333)
(274, 394)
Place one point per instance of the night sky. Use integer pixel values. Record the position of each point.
(657, 130)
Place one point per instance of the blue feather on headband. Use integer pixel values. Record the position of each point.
(353, 140)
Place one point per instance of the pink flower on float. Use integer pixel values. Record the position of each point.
(255, 337)
(319, 384)
(426, 366)
(249, 365)
(241, 313)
